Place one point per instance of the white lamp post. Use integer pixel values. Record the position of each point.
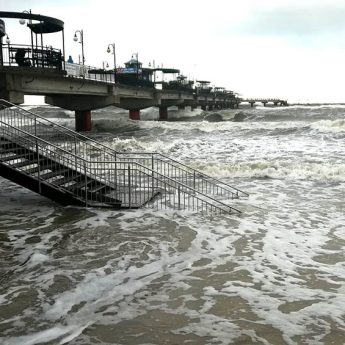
(114, 53)
(75, 38)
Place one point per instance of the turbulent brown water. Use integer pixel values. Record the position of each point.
(273, 275)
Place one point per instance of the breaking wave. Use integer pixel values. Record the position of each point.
(277, 170)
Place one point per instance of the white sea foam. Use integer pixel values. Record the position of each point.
(38, 258)
(273, 275)
(329, 125)
(67, 333)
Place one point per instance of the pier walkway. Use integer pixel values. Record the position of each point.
(38, 69)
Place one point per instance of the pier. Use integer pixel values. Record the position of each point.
(38, 69)
(72, 169)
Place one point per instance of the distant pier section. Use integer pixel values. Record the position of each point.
(39, 69)
(265, 101)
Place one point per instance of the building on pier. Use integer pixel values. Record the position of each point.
(135, 74)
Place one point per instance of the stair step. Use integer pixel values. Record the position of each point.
(111, 201)
(100, 188)
(12, 157)
(22, 164)
(54, 173)
(32, 170)
(65, 180)
(80, 185)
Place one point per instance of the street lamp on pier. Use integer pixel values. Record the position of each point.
(112, 51)
(22, 20)
(75, 38)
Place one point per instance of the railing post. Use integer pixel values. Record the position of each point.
(194, 180)
(85, 183)
(39, 169)
(129, 188)
(179, 197)
(115, 177)
(153, 181)
(75, 153)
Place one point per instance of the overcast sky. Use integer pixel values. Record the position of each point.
(293, 49)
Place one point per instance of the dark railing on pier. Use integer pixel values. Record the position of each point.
(28, 56)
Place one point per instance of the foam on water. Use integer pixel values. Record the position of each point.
(330, 125)
(273, 275)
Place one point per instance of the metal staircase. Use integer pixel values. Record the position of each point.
(71, 168)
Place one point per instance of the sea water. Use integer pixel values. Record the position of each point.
(273, 275)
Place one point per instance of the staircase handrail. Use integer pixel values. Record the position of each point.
(81, 136)
(192, 190)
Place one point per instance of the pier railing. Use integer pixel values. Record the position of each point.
(165, 179)
(29, 56)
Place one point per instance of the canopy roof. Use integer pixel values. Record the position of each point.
(167, 70)
(45, 24)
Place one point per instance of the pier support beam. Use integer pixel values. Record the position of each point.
(203, 107)
(83, 120)
(210, 107)
(181, 107)
(134, 114)
(163, 113)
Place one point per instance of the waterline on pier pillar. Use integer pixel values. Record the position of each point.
(163, 113)
(134, 114)
(83, 120)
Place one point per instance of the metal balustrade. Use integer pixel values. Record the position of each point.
(97, 175)
(29, 56)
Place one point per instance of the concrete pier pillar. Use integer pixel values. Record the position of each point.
(163, 113)
(181, 107)
(83, 120)
(134, 114)
(252, 104)
(210, 107)
(203, 107)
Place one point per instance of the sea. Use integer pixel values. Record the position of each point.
(274, 274)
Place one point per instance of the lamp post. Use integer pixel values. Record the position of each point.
(22, 20)
(114, 53)
(75, 38)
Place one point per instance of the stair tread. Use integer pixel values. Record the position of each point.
(100, 188)
(13, 157)
(65, 180)
(54, 173)
(22, 164)
(80, 184)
